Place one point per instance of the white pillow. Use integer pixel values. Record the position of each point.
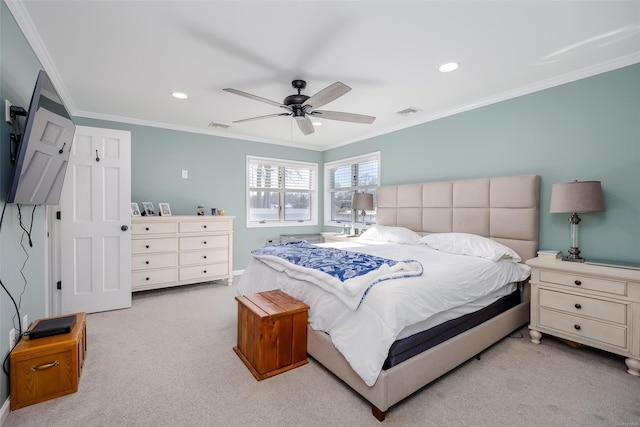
(382, 233)
(470, 244)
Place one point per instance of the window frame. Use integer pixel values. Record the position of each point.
(282, 163)
(371, 188)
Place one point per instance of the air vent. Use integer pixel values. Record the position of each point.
(408, 110)
(218, 125)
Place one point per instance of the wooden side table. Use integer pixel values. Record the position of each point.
(46, 368)
(272, 333)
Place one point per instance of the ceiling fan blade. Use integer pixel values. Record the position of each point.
(326, 95)
(305, 125)
(262, 117)
(255, 97)
(344, 117)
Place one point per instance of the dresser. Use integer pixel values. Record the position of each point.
(180, 250)
(598, 306)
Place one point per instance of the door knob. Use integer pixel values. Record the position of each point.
(124, 228)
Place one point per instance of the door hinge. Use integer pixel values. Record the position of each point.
(58, 215)
(59, 285)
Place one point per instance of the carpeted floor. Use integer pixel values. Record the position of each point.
(168, 361)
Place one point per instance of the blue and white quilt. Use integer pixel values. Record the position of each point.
(348, 275)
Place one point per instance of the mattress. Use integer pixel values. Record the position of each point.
(406, 348)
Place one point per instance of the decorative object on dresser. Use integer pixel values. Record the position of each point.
(179, 250)
(272, 333)
(574, 198)
(148, 209)
(135, 210)
(593, 305)
(361, 203)
(49, 367)
(165, 209)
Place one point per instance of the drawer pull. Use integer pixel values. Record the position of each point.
(204, 243)
(146, 262)
(205, 257)
(577, 327)
(146, 228)
(45, 366)
(578, 306)
(146, 246)
(146, 278)
(205, 272)
(577, 282)
(204, 226)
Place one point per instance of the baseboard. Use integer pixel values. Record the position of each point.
(4, 411)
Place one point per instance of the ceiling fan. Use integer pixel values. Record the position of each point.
(302, 106)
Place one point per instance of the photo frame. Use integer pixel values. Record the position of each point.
(164, 209)
(148, 208)
(135, 210)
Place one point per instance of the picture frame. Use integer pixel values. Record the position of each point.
(164, 209)
(135, 210)
(148, 208)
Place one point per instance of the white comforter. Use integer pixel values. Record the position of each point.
(365, 335)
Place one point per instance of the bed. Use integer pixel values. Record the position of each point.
(500, 210)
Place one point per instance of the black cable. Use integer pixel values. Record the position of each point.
(4, 363)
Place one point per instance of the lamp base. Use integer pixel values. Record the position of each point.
(574, 255)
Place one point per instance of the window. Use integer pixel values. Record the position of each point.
(281, 192)
(342, 179)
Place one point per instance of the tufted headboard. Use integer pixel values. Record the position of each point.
(504, 209)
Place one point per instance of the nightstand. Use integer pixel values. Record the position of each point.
(598, 306)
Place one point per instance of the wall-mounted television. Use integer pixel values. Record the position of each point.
(43, 150)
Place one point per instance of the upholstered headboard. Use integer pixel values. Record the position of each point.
(504, 209)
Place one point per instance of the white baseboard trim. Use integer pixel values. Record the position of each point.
(4, 411)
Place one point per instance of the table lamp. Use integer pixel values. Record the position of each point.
(362, 202)
(574, 198)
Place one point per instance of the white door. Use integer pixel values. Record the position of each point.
(95, 244)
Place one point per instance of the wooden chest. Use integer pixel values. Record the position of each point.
(45, 368)
(272, 333)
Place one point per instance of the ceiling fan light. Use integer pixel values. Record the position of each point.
(448, 67)
(317, 123)
(179, 95)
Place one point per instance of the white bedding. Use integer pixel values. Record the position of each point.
(365, 335)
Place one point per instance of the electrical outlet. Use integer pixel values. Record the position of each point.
(7, 111)
(12, 338)
(25, 323)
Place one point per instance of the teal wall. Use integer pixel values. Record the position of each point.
(586, 130)
(18, 72)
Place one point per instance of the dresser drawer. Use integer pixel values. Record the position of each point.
(201, 257)
(584, 282)
(585, 306)
(153, 277)
(204, 272)
(203, 226)
(143, 246)
(584, 328)
(203, 242)
(149, 228)
(147, 261)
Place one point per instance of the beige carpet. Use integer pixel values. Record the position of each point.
(168, 361)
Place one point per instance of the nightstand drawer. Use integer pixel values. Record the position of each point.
(584, 282)
(584, 328)
(585, 306)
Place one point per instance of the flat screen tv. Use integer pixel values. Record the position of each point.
(43, 149)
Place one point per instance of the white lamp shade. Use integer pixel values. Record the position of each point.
(362, 201)
(577, 197)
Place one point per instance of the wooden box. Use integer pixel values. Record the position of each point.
(272, 333)
(45, 368)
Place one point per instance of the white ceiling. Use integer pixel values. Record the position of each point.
(120, 60)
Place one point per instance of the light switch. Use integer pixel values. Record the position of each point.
(185, 174)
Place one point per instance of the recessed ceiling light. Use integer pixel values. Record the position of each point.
(179, 95)
(448, 67)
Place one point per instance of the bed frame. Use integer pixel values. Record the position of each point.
(504, 209)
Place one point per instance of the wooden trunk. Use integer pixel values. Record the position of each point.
(45, 368)
(272, 333)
